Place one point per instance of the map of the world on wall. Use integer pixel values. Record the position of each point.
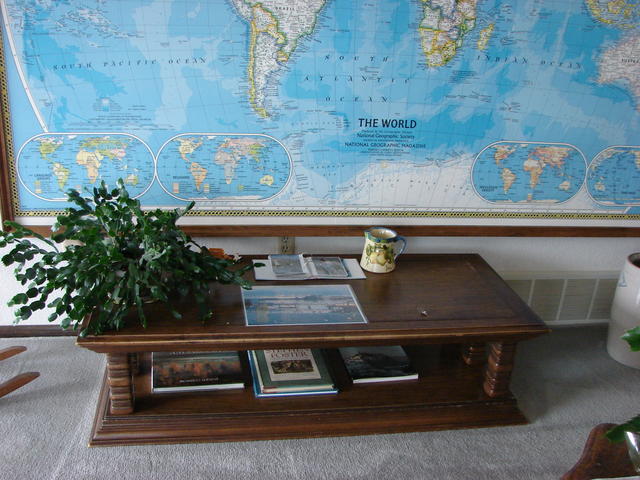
(329, 107)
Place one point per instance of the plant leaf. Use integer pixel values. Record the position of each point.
(616, 434)
(632, 337)
(18, 299)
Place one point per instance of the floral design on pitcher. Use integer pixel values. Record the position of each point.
(380, 255)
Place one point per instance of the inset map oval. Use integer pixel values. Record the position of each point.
(525, 172)
(50, 164)
(613, 177)
(223, 167)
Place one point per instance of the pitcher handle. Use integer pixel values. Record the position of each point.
(404, 245)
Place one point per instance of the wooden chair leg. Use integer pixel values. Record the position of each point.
(19, 380)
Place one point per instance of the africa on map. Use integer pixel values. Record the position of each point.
(468, 108)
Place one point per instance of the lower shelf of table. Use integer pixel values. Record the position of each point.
(448, 395)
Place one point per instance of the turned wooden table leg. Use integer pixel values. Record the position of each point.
(499, 366)
(473, 353)
(135, 363)
(120, 386)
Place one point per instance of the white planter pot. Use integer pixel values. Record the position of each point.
(625, 312)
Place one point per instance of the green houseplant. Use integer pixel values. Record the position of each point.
(107, 256)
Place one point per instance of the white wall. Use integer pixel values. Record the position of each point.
(506, 255)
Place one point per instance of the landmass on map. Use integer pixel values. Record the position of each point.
(545, 157)
(620, 64)
(275, 30)
(443, 28)
(233, 150)
(485, 35)
(622, 14)
(95, 149)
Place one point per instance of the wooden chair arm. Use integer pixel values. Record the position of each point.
(17, 382)
(10, 352)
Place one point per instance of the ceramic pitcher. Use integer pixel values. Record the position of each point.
(381, 248)
(625, 312)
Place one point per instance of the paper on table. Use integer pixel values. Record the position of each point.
(351, 264)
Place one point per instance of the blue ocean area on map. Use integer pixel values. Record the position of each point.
(483, 107)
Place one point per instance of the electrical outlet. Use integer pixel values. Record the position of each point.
(287, 245)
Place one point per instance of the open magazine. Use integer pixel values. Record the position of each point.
(299, 267)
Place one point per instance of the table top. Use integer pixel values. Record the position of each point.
(428, 298)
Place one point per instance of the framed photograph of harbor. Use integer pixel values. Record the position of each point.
(301, 305)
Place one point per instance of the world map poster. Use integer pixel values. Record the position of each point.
(417, 108)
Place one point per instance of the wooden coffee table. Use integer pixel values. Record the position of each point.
(458, 320)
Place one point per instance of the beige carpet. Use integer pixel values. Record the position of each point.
(565, 382)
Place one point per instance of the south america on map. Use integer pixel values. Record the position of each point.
(467, 108)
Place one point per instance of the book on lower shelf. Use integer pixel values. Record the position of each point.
(297, 371)
(377, 364)
(193, 371)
